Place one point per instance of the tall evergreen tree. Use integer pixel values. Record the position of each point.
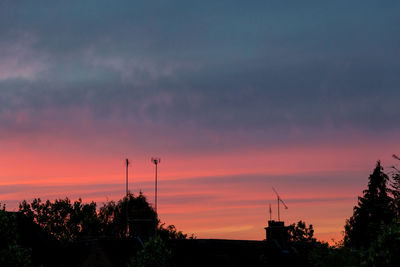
(396, 187)
(373, 211)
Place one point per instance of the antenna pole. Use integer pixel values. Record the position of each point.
(127, 163)
(156, 189)
(279, 200)
(156, 161)
(270, 212)
(279, 216)
(127, 199)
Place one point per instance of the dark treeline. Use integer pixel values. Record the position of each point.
(69, 221)
(371, 234)
(131, 218)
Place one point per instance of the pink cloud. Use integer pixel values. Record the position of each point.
(198, 192)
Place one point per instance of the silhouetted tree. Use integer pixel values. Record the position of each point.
(395, 190)
(385, 250)
(301, 233)
(374, 209)
(11, 253)
(337, 255)
(130, 216)
(154, 254)
(66, 221)
(170, 232)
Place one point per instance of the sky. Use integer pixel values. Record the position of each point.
(234, 97)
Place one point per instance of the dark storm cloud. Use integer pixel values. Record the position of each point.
(264, 66)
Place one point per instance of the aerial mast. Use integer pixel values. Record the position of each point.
(127, 164)
(270, 212)
(279, 200)
(155, 161)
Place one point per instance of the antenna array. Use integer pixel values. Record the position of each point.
(279, 200)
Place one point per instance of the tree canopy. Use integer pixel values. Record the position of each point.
(65, 220)
(374, 210)
(11, 252)
(128, 217)
(132, 216)
(301, 233)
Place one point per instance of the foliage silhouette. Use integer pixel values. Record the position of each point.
(11, 253)
(170, 232)
(372, 234)
(301, 233)
(385, 250)
(154, 254)
(323, 255)
(373, 211)
(395, 190)
(65, 220)
(132, 216)
(129, 216)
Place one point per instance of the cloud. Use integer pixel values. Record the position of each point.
(196, 82)
(19, 59)
(231, 72)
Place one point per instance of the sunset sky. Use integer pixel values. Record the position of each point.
(234, 96)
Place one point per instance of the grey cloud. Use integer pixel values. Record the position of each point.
(226, 67)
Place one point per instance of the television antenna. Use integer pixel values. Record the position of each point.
(279, 200)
